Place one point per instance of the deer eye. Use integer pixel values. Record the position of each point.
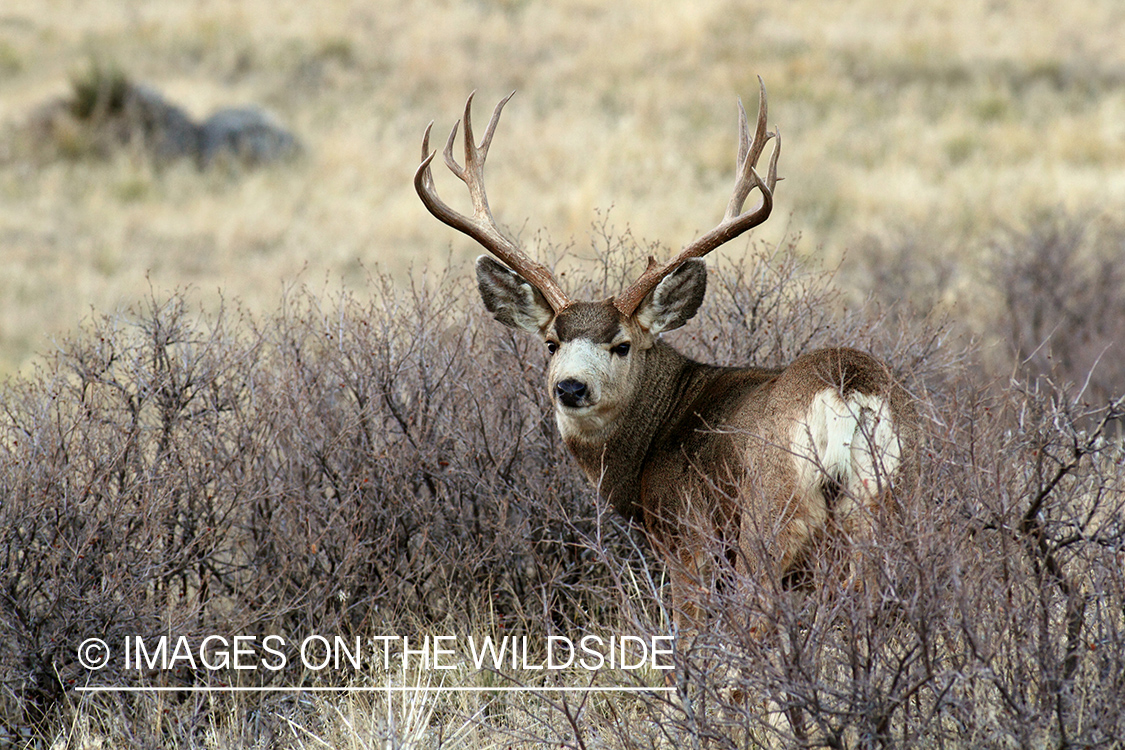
(552, 347)
(621, 349)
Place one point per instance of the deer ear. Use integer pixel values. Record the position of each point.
(676, 299)
(510, 298)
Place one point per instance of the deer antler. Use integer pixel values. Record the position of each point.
(481, 227)
(734, 222)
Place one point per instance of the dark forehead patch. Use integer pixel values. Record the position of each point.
(599, 322)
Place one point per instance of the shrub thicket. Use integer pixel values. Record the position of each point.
(389, 463)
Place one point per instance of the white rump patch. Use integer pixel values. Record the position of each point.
(852, 441)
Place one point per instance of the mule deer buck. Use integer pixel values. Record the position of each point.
(780, 460)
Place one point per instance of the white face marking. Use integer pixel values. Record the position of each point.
(607, 378)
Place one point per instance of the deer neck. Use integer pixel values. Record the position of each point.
(614, 460)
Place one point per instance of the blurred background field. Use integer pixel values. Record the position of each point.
(918, 125)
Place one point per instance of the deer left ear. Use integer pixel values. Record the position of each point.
(676, 299)
(510, 299)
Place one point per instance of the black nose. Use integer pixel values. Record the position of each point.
(570, 392)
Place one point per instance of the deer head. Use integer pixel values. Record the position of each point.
(600, 349)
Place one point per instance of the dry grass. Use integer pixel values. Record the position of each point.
(942, 121)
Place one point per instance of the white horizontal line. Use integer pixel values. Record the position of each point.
(368, 689)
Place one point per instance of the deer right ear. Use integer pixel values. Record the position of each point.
(510, 298)
(675, 299)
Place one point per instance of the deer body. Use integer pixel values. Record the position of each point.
(760, 464)
(747, 460)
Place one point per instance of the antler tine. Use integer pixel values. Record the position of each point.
(749, 151)
(734, 222)
(474, 155)
(481, 226)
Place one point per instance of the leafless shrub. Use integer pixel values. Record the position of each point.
(120, 481)
(341, 468)
(1050, 298)
(911, 273)
(1063, 292)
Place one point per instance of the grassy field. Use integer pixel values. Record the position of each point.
(920, 118)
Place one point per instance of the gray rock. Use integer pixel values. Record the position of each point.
(247, 135)
(167, 130)
(109, 111)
